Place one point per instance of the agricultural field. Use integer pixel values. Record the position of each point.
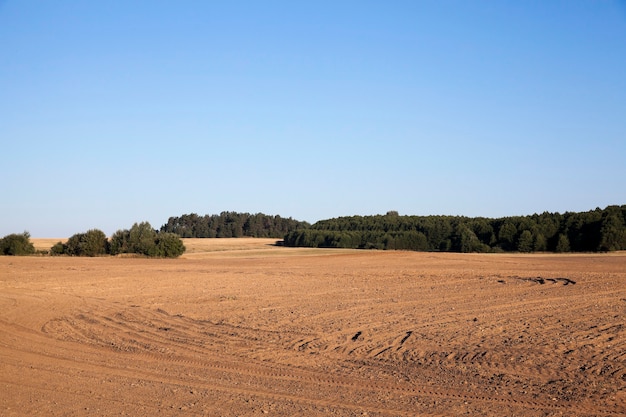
(241, 327)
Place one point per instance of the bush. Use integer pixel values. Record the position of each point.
(91, 243)
(169, 245)
(119, 242)
(142, 239)
(17, 244)
(57, 249)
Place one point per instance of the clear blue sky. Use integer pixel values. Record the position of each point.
(113, 112)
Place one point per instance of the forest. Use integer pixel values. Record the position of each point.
(232, 224)
(597, 230)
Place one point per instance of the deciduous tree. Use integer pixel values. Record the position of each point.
(16, 244)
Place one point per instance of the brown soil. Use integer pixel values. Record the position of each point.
(241, 327)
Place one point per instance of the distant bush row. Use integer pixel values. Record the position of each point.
(141, 239)
(592, 231)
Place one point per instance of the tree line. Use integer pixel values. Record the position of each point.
(232, 224)
(591, 231)
(597, 230)
(140, 239)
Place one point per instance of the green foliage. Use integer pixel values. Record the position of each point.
(613, 230)
(16, 244)
(119, 242)
(525, 242)
(563, 244)
(507, 235)
(409, 240)
(91, 243)
(142, 239)
(540, 243)
(465, 240)
(57, 249)
(169, 245)
(595, 230)
(232, 224)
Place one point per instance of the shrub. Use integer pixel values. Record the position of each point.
(57, 249)
(91, 243)
(17, 244)
(169, 245)
(142, 239)
(119, 242)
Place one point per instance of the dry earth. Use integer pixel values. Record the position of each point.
(240, 327)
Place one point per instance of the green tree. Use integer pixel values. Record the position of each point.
(142, 239)
(563, 244)
(525, 242)
(73, 245)
(506, 236)
(91, 243)
(169, 245)
(483, 230)
(612, 232)
(540, 243)
(466, 240)
(95, 243)
(16, 244)
(120, 242)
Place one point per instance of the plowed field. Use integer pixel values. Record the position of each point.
(240, 327)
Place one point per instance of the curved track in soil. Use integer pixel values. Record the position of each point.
(243, 328)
